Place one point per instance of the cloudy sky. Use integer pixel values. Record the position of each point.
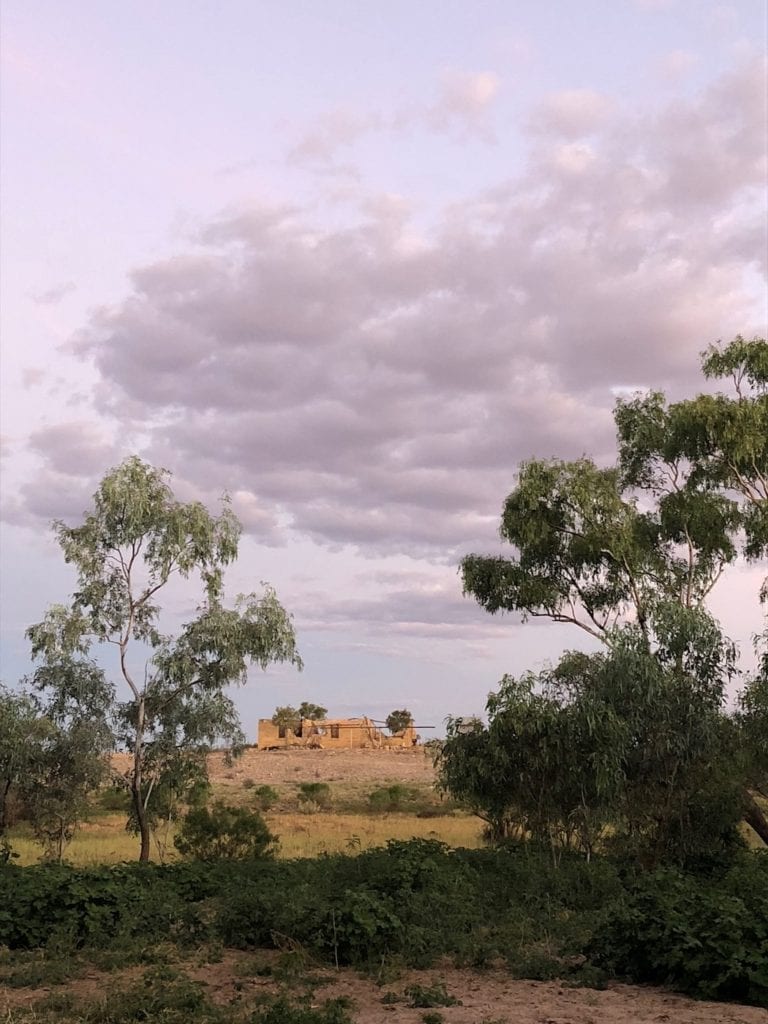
(351, 262)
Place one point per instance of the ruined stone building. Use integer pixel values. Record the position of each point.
(333, 734)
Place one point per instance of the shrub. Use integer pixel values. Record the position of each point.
(163, 994)
(427, 996)
(282, 1010)
(224, 833)
(390, 798)
(318, 793)
(114, 799)
(265, 796)
(708, 938)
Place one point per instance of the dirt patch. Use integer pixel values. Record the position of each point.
(276, 767)
(485, 996)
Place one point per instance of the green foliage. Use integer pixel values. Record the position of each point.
(53, 753)
(162, 994)
(224, 833)
(398, 721)
(132, 542)
(391, 798)
(620, 738)
(413, 903)
(630, 554)
(114, 799)
(313, 712)
(36, 969)
(436, 994)
(22, 731)
(287, 717)
(317, 794)
(284, 1010)
(711, 941)
(265, 796)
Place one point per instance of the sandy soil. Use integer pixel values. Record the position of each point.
(274, 767)
(487, 998)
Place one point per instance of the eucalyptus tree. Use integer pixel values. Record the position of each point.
(641, 545)
(54, 745)
(21, 730)
(132, 543)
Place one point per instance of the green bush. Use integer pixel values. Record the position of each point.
(413, 903)
(224, 833)
(282, 1010)
(391, 798)
(162, 994)
(114, 800)
(317, 793)
(265, 796)
(705, 937)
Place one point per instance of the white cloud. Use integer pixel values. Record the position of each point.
(371, 385)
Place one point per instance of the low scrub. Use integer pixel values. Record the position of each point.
(315, 795)
(412, 903)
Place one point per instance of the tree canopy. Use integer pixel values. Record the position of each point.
(134, 540)
(630, 554)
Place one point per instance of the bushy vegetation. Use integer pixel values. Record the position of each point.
(222, 832)
(415, 902)
(391, 798)
(314, 795)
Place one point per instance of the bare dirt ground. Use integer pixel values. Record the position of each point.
(413, 767)
(276, 767)
(487, 998)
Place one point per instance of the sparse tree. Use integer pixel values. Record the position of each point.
(312, 712)
(398, 721)
(134, 540)
(286, 717)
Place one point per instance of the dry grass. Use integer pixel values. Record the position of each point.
(301, 835)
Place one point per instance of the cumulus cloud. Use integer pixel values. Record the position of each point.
(462, 108)
(375, 385)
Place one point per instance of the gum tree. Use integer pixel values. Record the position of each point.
(642, 544)
(137, 538)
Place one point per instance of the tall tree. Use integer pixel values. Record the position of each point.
(135, 539)
(600, 548)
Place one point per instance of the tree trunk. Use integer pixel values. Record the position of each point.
(4, 806)
(136, 780)
(754, 816)
(141, 820)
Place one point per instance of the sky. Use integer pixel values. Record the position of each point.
(350, 263)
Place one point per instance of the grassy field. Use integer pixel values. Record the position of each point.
(347, 824)
(301, 835)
